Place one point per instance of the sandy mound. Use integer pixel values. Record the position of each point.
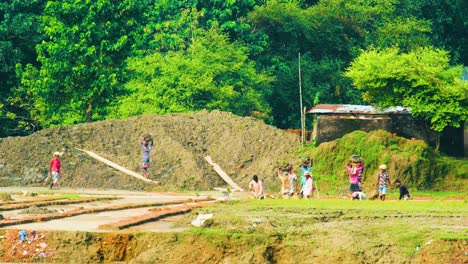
(242, 146)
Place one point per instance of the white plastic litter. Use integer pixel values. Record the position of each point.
(201, 218)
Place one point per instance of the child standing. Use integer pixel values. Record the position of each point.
(383, 180)
(55, 170)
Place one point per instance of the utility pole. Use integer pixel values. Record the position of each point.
(300, 99)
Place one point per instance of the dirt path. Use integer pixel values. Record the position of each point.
(91, 222)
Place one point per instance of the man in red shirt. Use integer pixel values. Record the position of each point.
(54, 169)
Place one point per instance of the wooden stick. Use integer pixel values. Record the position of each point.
(223, 174)
(117, 166)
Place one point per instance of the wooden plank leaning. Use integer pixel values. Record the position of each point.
(116, 166)
(223, 174)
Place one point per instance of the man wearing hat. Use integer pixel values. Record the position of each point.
(308, 187)
(382, 180)
(54, 169)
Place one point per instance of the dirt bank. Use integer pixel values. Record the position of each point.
(241, 146)
(203, 247)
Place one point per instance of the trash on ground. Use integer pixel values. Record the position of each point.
(201, 218)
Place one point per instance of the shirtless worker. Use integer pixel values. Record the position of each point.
(285, 174)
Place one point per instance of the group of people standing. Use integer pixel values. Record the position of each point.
(289, 182)
(355, 168)
(305, 188)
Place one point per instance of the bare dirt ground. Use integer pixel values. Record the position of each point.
(91, 222)
(239, 232)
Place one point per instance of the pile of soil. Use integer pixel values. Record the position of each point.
(242, 146)
(37, 210)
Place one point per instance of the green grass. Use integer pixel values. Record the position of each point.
(437, 194)
(289, 214)
(390, 205)
(453, 236)
(70, 196)
(325, 224)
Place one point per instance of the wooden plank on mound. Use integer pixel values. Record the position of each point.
(117, 166)
(223, 174)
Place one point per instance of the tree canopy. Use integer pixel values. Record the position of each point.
(82, 59)
(66, 62)
(421, 79)
(201, 77)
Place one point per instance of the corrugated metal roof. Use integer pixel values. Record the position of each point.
(356, 109)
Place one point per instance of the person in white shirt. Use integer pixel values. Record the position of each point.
(256, 187)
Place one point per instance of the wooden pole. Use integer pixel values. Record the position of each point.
(304, 133)
(300, 100)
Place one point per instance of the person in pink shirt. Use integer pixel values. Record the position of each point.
(55, 170)
(355, 166)
(308, 187)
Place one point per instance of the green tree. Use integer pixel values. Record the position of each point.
(421, 79)
(329, 35)
(211, 74)
(82, 58)
(172, 23)
(19, 34)
(449, 25)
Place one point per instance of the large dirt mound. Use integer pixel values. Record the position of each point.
(242, 146)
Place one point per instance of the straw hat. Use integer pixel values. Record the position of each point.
(57, 153)
(383, 167)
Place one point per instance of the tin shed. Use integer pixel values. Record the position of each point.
(335, 120)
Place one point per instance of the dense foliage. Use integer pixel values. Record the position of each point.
(421, 79)
(65, 62)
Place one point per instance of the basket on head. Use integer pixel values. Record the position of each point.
(355, 160)
(148, 138)
(286, 168)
